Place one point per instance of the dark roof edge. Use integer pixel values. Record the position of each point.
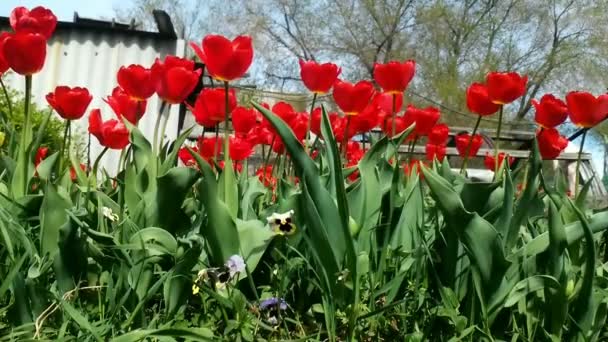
(103, 26)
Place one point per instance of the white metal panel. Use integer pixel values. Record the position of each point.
(91, 59)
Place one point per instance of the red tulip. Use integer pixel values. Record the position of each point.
(401, 124)
(490, 161)
(393, 77)
(185, 156)
(278, 147)
(338, 126)
(39, 20)
(425, 118)
(73, 171)
(550, 111)
(260, 135)
(243, 120)
(353, 98)
(585, 109)
(318, 78)
(126, 106)
(3, 63)
(111, 133)
(384, 102)
(225, 60)
(505, 87)
(24, 52)
(463, 141)
(298, 125)
(439, 134)
(265, 176)
(284, 110)
(69, 103)
(366, 120)
(209, 148)
(315, 121)
(240, 148)
(354, 153)
(352, 149)
(435, 151)
(478, 100)
(41, 155)
(175, 78)
(136, 81)
(210, 106)
(550, 143)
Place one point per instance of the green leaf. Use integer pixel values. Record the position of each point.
(254, 237)
(171, 160)
(163, 206)
(142, 150)
(81, 176)
(574, 232)
(220, 231)
(482, 242)
(253, 190)
(177, 287)
(157, 241)
(190, 334)
(530, 285)
(582, 307)
(406, 232)
(52, 217)
(80, 319)
(46, 166)
(335, 170)
(581, 197)
(70, 264)
(319, 197)
(10, 276)
(228, 189)
(556, 301)
(527, 200)
(506, 206)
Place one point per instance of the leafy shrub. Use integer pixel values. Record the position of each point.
(53, 137)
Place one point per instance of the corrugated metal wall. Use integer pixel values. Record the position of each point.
(90, 58)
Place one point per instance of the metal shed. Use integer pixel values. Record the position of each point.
(88, 53)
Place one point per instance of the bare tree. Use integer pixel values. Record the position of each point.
(557, 43)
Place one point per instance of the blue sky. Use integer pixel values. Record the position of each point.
(64, 9)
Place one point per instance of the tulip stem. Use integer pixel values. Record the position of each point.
(394, 112)
(309, 124)
(463, 169)
(497, 144)
(89, 154)
(267, 159)
(121, 160)
(163, 129)
(25, 140)
(26, 111)
(345, 138)
(226, 117)
(157, 125)
(578, 163)
(65, 145)
(94, 174)
(216, 150)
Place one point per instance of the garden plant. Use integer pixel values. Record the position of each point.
(329, 239)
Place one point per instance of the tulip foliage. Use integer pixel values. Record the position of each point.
(327, 238)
